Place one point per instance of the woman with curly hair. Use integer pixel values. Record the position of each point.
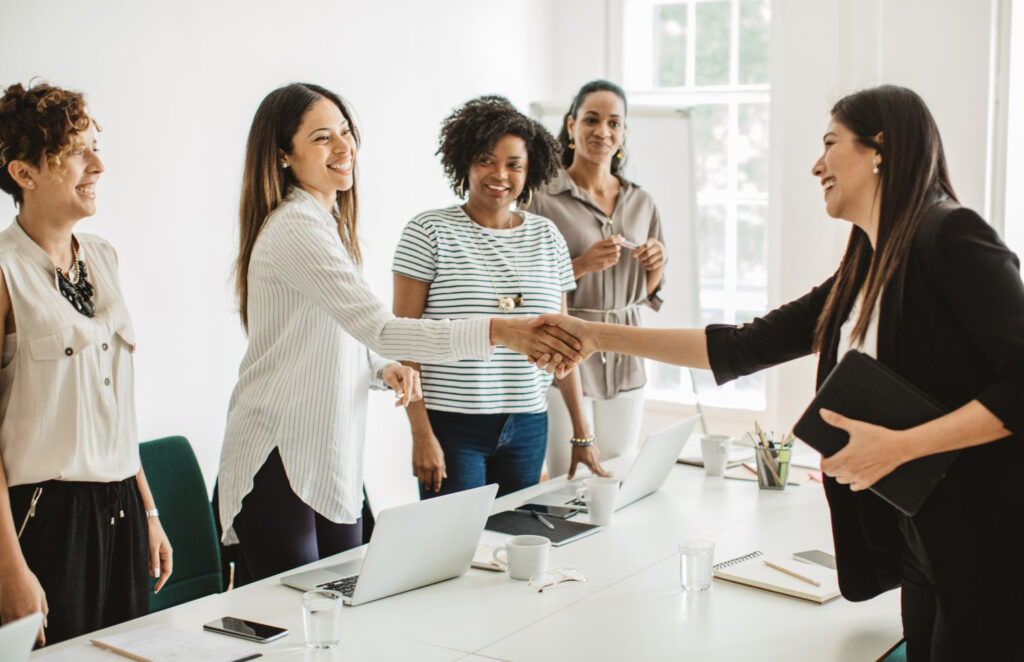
(290, 485)
(69, 458)
(486, 422)
(614, 235)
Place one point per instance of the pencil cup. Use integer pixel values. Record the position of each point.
(772, 467)
(321, 618)
(695, 565)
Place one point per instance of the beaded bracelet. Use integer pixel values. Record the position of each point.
(582, 443)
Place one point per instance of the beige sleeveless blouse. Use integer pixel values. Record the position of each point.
(67, 386)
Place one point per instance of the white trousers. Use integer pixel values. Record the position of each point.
(615, 423)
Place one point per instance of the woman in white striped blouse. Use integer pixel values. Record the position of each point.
(290, 480)
(487, 422)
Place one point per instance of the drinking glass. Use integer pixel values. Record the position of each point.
(321, 618)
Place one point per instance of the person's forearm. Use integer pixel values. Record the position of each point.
(571, 389)
(654, 279)
(579, 268)
(419, 423)
(147, 497)
(970, 425)
(11, 558)
(685, 347)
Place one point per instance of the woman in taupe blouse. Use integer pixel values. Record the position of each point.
(614, 236)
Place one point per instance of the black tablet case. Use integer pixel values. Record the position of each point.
(518, 522)
(861, 388)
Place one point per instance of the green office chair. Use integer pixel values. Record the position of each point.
(180, 493)
(897, 653)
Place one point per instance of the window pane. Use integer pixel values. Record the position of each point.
(712, 65)
(670, 45)
(752, 148)
(711, 241)
(751, 247)
(710, 134)
(665, 377)
(755, 16)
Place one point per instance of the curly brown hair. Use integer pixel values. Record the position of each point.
(36, 123)
(474, 128)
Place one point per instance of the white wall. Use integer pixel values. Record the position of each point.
(1014, 224)
(823, 49)
(175, 86)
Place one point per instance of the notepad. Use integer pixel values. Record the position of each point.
(751, 570)
(164, 644)
(519, 523)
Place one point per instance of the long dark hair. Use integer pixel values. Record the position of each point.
(573, 112)
(265, 182)
(912, 174)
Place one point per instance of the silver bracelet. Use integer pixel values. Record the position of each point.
(582, 443)
(153, 513)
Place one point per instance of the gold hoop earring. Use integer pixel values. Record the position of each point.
(572, 145)
(529, 199)
(462, 188)
(618, 155)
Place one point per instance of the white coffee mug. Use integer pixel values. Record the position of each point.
(714, 451)
(599, 494)
(525, 555)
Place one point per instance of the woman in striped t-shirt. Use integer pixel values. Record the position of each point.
(486, 421)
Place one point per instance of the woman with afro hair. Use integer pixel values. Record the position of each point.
(485, 422)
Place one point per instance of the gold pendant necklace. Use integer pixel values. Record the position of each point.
(506, 303)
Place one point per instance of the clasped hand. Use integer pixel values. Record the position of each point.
(872, 452)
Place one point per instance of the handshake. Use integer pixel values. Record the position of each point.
(555, 343)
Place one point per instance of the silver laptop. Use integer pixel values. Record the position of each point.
(646, 475)
(18, 637)
(413, 545)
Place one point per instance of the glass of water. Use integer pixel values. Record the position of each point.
(321, 618)
(695, 565)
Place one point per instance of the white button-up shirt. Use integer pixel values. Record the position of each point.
(315, 333)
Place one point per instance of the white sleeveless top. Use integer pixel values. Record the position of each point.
(67, 386)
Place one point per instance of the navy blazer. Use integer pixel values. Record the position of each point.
(954, 327)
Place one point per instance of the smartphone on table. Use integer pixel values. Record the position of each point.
(817, 557)
(251, 630)
(558, 512)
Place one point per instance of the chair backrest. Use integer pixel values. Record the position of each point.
(185, 513)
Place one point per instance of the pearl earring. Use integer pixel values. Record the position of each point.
(874, 170)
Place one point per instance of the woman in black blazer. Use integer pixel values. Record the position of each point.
(928, 288)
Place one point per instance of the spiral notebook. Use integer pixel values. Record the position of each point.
(751, 570)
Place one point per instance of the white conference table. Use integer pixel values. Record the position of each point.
(631, 607)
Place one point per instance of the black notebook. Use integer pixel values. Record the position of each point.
(520, 523)
(861, 388)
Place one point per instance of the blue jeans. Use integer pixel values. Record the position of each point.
(479, 449)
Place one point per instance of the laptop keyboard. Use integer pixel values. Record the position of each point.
(346, 585)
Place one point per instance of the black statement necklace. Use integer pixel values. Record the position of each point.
(75, 286)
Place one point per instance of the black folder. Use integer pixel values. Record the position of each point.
(861, 388)
(519, 522)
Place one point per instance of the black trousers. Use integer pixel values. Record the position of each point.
(277, 531)
(88, 544)
(952, 627)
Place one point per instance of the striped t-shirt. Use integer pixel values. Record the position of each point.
(459, 258)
